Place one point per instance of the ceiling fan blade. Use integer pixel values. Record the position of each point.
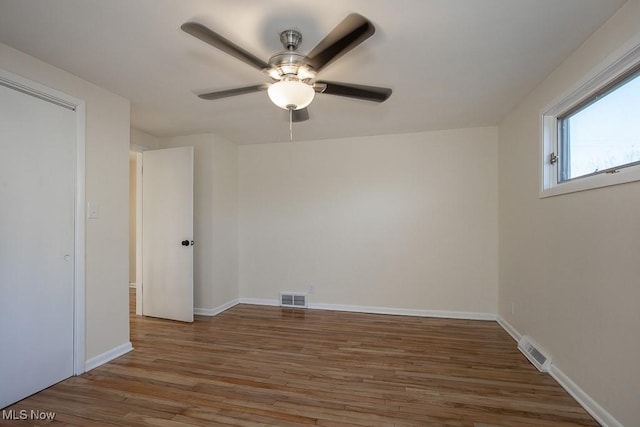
(217, 41)
(366, 93)
(233, 92)
(300, 115)
(353, 30)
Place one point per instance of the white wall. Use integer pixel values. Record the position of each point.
(107, 163)
(215, 218)
(401, 221)
(570, 264)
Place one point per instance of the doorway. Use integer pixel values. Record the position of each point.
(135, 232)
(161, 233)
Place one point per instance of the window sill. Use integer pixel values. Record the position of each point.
(622, 176)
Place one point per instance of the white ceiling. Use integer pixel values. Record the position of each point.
(450, 63)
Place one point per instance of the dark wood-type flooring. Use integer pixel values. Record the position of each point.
(267, 366)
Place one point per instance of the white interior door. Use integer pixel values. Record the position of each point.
(167, 233)
(37, 205)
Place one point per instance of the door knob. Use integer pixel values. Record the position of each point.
(185, 243)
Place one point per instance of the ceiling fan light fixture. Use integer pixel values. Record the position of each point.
(290, 65)
(306, 73)
(275, 74)
(291, 94)
(293, 73)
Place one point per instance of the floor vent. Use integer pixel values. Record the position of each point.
(290, 299)
(535, 355)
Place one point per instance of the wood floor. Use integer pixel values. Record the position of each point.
(266, 366)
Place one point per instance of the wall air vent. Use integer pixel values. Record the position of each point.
(292, 299)
(534, 353)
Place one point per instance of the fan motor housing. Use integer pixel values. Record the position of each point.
(290, 65)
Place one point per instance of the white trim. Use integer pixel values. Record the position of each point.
(108, 356)
(381, 310)
(78, 106)
(622, 176)
(615, 65)
(586, 401)
(510, 329)
(258, 301)
(590, 405)
(139, 289)
(216, 310)
(80, 237)
(468, 315)
(37, 90)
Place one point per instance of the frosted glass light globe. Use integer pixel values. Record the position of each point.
(291, 94)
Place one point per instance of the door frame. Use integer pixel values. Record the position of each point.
(138, 149)
(45, 93)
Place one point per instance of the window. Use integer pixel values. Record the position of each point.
(603, 133)
(591, 138)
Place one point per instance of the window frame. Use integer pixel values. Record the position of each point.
(602, 80)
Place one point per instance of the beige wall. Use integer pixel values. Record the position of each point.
(569, 264)
(401, 221)
(215, 218)
(107, 154)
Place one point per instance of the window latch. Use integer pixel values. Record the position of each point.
(553, 159)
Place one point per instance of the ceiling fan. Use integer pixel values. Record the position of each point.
(293, 74)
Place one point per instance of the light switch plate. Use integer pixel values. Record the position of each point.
(92, 210)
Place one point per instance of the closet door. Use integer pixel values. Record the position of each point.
(37, 194)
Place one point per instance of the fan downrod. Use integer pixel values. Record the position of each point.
(290, 39)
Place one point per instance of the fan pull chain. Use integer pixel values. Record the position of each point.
(291, 124)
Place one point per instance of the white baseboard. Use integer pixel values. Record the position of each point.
(510, 329)
(381, 310)
(405, 311)
(591, 406)
(215, 310)
(107, 356)
(258, 301)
